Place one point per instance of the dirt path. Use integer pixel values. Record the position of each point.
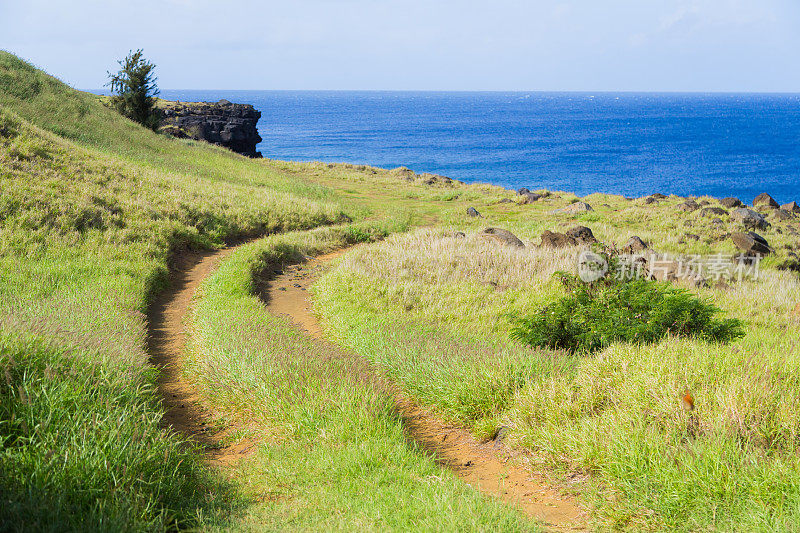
(489, 467)
(167, 344)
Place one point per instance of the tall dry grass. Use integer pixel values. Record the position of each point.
(430, 309)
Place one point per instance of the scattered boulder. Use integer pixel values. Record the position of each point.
(554, 239)
(792, 263)
(655, 197)
(688, 237)
(471, 211)
(791, 207)
(505, 201)
(634, 245)
(664, 269)
(432, 179)
(782, 214)
(658, 196)
(502, 236)
(712, 211)
(523, 190)
(404, 172)
(689, 206)
(576, 208)
(581, 234)
(749, 219)
(751, 243)
(529, 197)
(731, 202)
(459, 235)
(765, 199)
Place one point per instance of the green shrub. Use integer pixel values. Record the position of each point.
(593, 316)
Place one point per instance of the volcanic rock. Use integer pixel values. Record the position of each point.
(634, 245)
(573, 209)
(751, 243)
(712, 211)
(554, 239)
(731, 202)
(503, 236)
(223, 123)
(581, 235)
(749, 218)
(792, 207)
(765, 200)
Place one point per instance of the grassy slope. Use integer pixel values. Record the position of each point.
(430, 309)
(337, 459)
(85, 237)
(92, 206)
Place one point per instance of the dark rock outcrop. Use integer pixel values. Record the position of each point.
(689, 206)
(766, 200)
(731, 202)
(749, 218)
(634, 245)
(471, 211)
(792, 207)
(751, 243)
(529, 197)
(230, 125)
(554, 239)
(581, 235)
(782, 214)
(712, 211)
(502, 236)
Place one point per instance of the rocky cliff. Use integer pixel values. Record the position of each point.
(230, 125)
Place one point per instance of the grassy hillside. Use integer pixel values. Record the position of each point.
(432, 311)
(85, 240)
(336, 458)
(93, 210)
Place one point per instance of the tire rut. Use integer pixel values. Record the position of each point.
(167, 338)
(490, 467)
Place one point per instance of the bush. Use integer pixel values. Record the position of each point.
(593, 316)
(135, 90)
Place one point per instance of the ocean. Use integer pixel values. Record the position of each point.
(633, 144)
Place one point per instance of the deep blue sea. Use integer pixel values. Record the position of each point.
(626, 143)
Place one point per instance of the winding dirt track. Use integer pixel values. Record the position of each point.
(167, 346)
(489, 467)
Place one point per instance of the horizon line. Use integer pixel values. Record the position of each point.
(539, 91)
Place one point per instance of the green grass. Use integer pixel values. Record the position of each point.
(93, 209)
(335, 458)
(83, 119)
(85, 241)
(432, 312)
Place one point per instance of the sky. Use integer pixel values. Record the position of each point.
(556, 45)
